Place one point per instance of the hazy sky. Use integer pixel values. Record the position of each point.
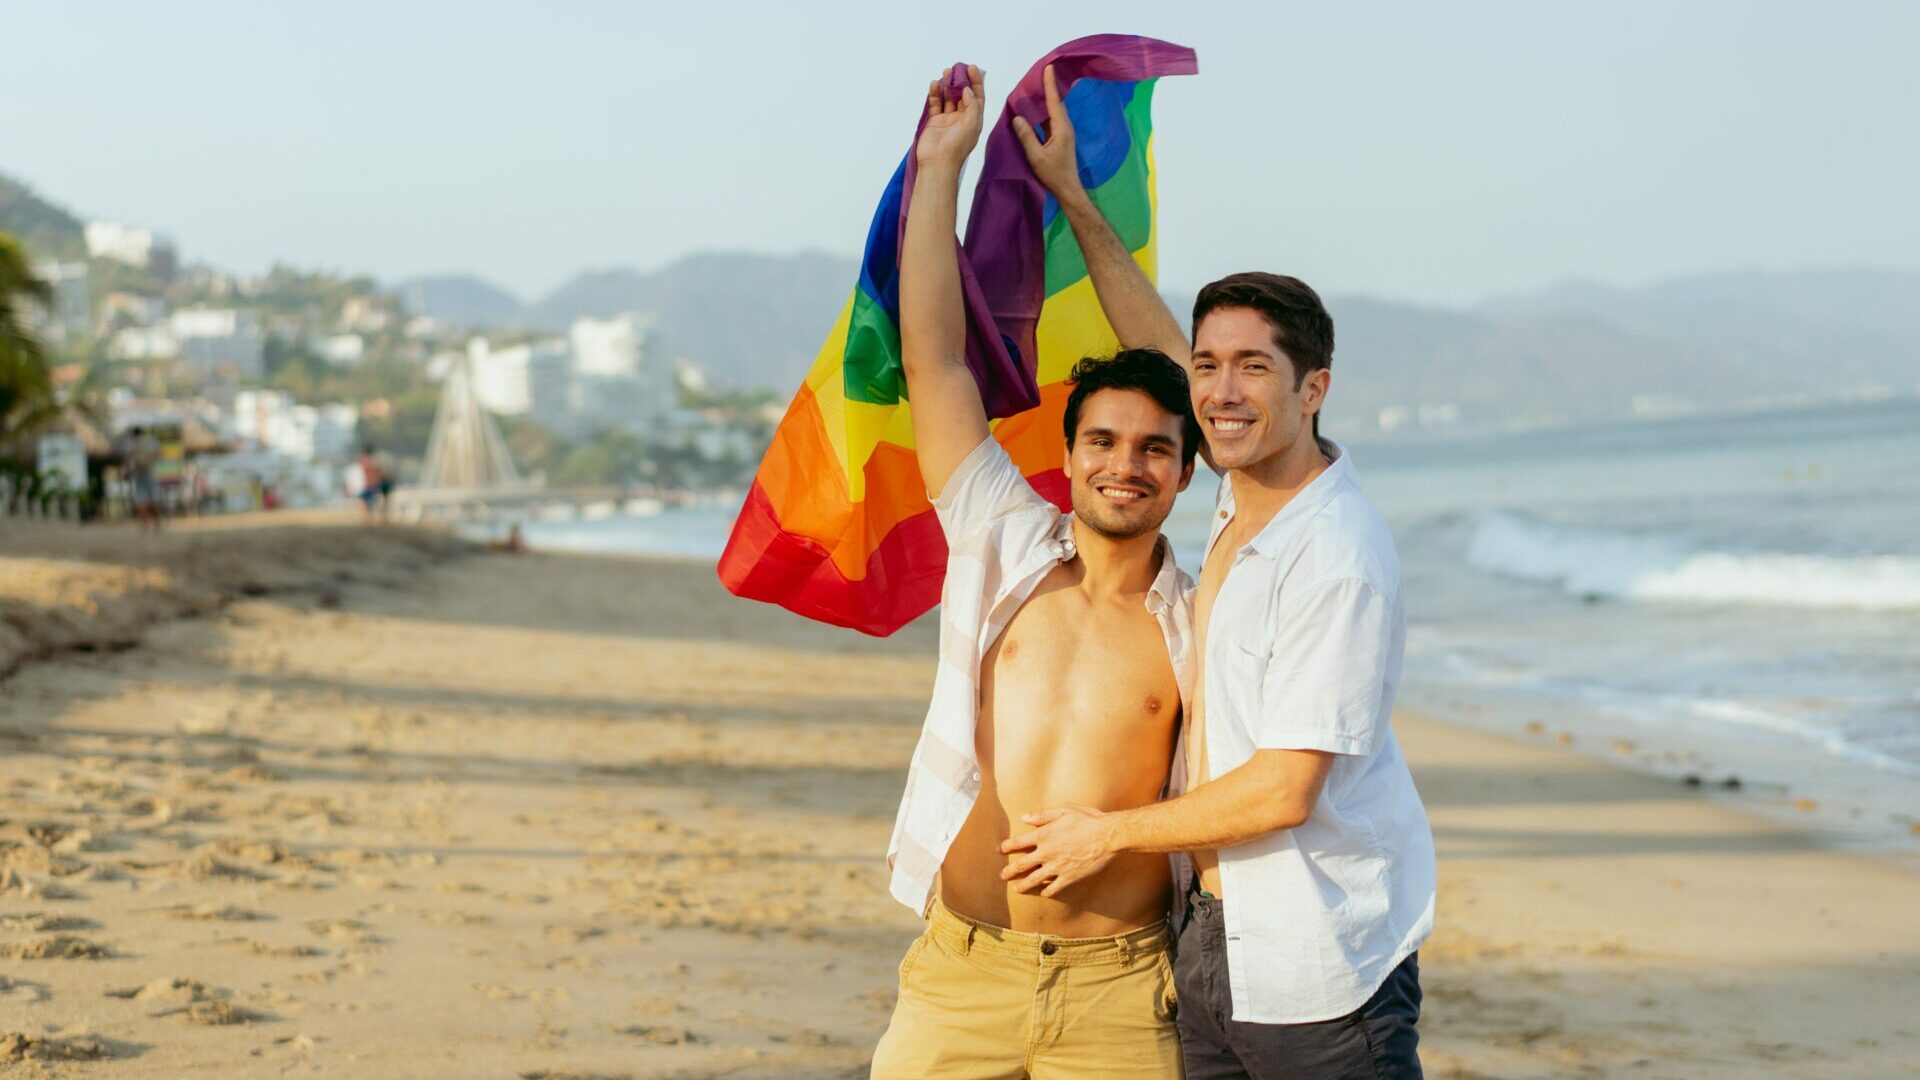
(1436, 152)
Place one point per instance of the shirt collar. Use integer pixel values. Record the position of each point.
(1304, 504)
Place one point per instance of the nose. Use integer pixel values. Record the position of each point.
(1130, 463)
(1225, 386)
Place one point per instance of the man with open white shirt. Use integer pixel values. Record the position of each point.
(1064, 641)
(1311, 875)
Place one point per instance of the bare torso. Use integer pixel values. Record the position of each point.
(1078, 706)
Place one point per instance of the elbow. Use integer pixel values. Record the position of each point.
(1288, 814)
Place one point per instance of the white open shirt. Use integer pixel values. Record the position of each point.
(1002, 539)
(1304, 645)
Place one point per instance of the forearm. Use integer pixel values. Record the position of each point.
(932, 312)
(1260, 797)
(1135, 309)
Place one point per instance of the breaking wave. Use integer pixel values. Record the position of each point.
(1593, 562)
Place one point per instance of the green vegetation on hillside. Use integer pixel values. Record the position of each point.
(42, 228)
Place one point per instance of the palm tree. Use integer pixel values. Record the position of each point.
(27, 400)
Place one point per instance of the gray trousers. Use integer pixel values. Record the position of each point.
(1377, 1041)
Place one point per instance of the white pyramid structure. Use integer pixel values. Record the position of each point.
(466, 452)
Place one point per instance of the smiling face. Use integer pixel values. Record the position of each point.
(1124, 464)
(1252, 408)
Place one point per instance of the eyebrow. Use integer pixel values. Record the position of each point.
(1261, 353)
(1162, 440)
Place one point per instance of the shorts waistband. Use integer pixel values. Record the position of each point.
(969, 935)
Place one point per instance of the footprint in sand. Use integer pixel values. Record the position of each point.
(191, 1000)
(261, 948)
(23, 991)
(56, 947)
(34, 922)
(18, 1047)
(15, 883)
(212, 912)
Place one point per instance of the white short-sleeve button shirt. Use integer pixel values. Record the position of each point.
(1303, 652)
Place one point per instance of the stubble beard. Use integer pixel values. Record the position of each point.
(1097, 518)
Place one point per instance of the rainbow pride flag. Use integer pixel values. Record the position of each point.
(837, 526)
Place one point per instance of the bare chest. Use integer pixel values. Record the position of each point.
(1065, 660)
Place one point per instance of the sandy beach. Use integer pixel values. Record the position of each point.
(291, 796)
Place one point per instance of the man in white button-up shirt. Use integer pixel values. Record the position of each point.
(1312, 868)
(1064, 641)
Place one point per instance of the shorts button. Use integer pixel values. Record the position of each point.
(1048, 948)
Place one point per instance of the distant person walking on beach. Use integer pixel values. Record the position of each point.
(1312, 867)
(1063, 642)
(141, 454)
(372, 484)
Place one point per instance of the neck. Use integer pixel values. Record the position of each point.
(1262, 489)
(1112, 567)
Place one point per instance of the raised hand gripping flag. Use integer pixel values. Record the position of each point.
(837, 526)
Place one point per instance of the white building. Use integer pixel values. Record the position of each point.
(220, 341)
(130, 244)
(271, 420)
(343, 349)
(144, 343)
(620, 383)
(533, 380)
(609, 346)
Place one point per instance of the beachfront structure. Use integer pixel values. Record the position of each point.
(225, 342)
(308, 433)
(466, 454)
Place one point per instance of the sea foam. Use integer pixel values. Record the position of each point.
(1594, 562)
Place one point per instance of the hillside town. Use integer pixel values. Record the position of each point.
(207, 391)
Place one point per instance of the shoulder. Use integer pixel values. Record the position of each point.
(1348, 539)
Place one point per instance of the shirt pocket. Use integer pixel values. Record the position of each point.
(1245, 676)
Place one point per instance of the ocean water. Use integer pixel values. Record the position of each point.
(1732, 598)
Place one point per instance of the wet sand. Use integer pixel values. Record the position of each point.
(286, 796)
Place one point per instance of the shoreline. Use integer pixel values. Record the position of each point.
(1781, 803)
(572, 814)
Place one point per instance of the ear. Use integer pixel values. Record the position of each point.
(1066, 459)
(1314, 394)
(1186, 477)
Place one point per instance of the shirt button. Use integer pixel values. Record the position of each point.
(1223, 515)
(976, 777)
(1048, 948)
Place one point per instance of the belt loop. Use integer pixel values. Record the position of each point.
(966, 947)
(1126, 950)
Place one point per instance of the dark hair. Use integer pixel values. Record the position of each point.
(1301, 326)
(1149, 371)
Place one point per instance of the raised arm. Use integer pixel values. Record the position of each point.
(1134, 308)
(949, 420)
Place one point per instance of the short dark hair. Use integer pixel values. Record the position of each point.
(1149, 371)
(1301, 326)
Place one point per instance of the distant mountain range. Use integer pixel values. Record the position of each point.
(1576, 350)
(751, 320)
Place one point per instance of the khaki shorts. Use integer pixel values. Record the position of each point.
(980, 1002)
